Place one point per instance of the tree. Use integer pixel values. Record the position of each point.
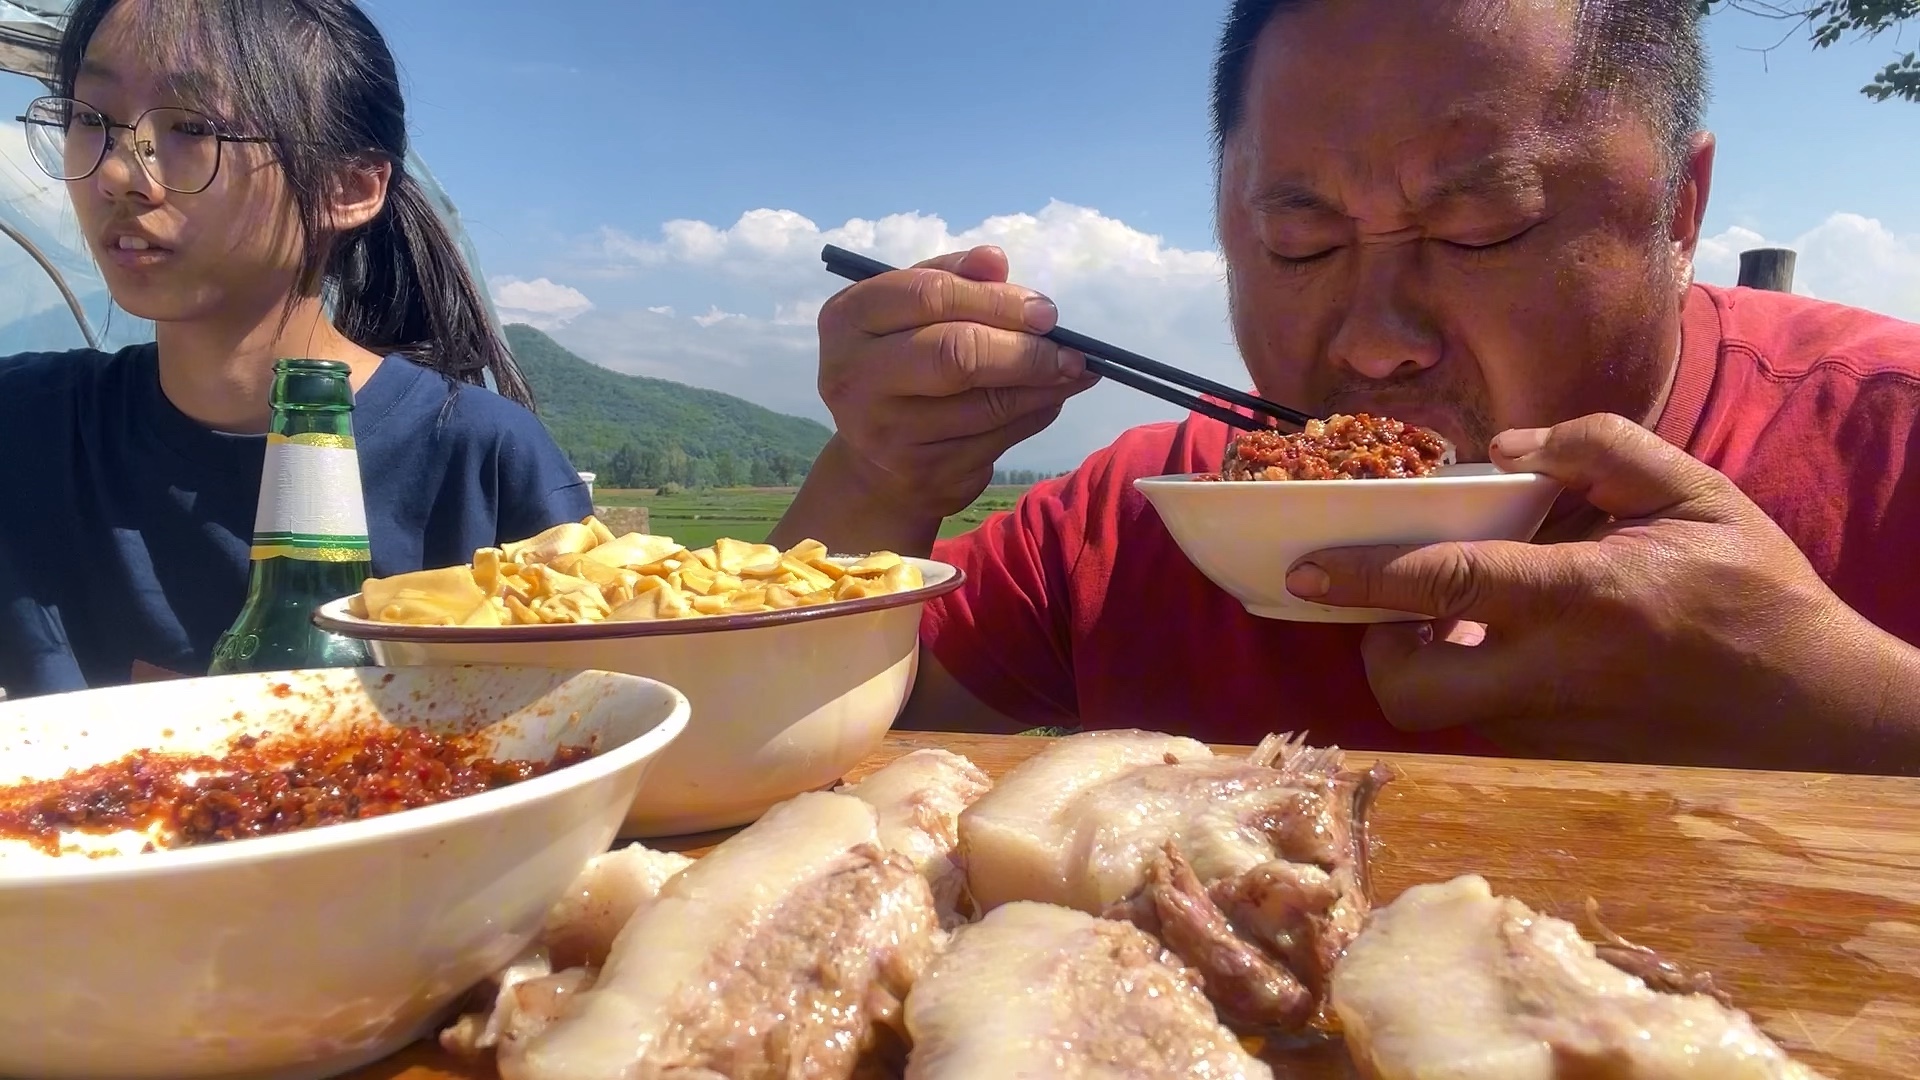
(788, 469)
(1828, 21)
(650, 470)
(764, 473)
(623, 468)
(726, 470)
(675, 465)
(700, 473)
(1019, 477)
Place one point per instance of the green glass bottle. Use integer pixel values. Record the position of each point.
(309, 533)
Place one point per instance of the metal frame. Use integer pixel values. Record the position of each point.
(26, 48)
(66, 293)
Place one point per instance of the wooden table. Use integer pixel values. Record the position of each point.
(1799, 892)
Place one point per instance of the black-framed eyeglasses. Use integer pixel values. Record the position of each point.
(178, 148)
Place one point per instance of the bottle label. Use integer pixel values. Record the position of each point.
(311, 508)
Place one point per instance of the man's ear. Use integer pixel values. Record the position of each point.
(1690, 205)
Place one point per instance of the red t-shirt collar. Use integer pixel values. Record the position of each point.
(1700, 338)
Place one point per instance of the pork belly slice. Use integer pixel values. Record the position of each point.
(1252, 870)
(574, 941)
(582, 925)
(919, 797)
(1450, 981)
(782, 953)
(1039, 990)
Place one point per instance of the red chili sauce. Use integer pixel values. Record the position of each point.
(263, 785)
(1361, 447)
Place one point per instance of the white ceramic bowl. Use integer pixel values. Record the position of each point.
(1245, 535)
(310, 953)
(783, 701)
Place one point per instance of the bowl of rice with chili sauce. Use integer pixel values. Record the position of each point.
(290, 875)
(796, 661)
(1346, 481)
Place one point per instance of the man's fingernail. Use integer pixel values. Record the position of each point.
(1308, 581)
(1041, 315)
(1072, 364)
(1521, 441)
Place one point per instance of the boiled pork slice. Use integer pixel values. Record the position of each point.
(581, 927)
(785, 952)
(919, 797)
(1252, 870)
(574, 941)
(1450, 982)
(1035, 990)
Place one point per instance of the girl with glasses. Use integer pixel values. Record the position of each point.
(238, 169)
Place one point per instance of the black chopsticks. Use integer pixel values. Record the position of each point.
(1112, 362)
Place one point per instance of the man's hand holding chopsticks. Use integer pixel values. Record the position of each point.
(931, 373)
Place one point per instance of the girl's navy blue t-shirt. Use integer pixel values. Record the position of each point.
(125, 526)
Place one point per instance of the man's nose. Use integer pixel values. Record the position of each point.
(1388, 327)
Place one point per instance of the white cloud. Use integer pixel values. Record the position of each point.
(540, 303)
(715, 317)
(763, 284)
(1847, 258)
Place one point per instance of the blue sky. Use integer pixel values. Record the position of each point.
(634, 113)
(1073, 133)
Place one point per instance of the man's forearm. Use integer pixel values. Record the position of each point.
(844, 510)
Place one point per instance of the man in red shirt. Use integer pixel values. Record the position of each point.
(1480, 218)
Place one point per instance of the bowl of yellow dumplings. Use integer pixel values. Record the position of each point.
(796, 662)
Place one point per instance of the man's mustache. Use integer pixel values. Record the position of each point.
(1446, 393)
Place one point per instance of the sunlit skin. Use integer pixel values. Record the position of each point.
(1416, 226)
(224, 260)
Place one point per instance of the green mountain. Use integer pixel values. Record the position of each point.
(639, 432)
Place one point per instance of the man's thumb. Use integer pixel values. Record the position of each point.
(1622, 468)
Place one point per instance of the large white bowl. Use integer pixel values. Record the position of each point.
(1245, 535)
(783, 701)
(310, 953)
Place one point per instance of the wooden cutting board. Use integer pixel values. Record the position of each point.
(1799, 892)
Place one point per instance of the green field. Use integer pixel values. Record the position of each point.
(698, 518)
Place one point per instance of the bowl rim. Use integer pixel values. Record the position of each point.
(265, 850)
(1483, 474)
(941, 578)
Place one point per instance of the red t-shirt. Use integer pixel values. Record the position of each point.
(1080, 609)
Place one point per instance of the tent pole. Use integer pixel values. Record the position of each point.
(73, 302)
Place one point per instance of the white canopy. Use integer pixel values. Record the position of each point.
(28, 33)
(51, 293)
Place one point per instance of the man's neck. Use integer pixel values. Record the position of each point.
(221, 374)
(1659, 409)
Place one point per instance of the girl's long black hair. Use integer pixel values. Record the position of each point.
(316, 78)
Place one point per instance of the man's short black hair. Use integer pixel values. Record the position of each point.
(1649, 51)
